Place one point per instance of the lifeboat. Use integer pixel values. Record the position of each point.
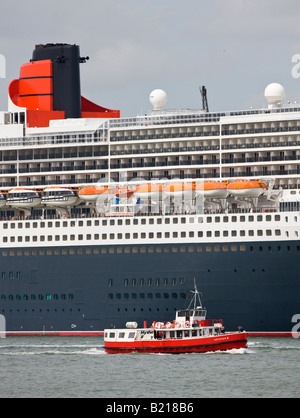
(96, 193)
(59, 197)
(180, 190)
(2, 201)
(123, 193)
(23, 198)
(212, 189)
(246, 188)
(149, 192)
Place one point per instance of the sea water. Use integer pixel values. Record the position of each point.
(78, 367)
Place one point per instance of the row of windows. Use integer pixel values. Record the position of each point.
(151, 296)
(142, 250)
(142, 221)
(11, 275)
(150, 282)
(39, 297)
(144, 235)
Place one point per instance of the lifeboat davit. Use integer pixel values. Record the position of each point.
(23, 198)
(60, 197)
(2, 200)
(212, 189)
(149, 192)
(180, 190)
(246, 188)
(96, 193)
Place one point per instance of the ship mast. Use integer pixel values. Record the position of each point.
(195, 298)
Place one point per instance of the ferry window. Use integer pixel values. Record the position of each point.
(242, 218)
(157, 295)
(143, 221)
(135, 222)
(149, 295)
(166, 295)
(225, 219)
(175, 220)
(159, 221)
(112, 335)
(269, 232)
(277, 217)
(200, 234)
(259, 232)
(217, 219)
(104, 236)
(121, 335)
(268, 218)
(183, 220)
(277, 232)
(233, 233)
(234, 248)
(209, 220)
(200, 220)
(135, 235)
(234, 219)
(242, 247)
(167, 220)
(259, 218)
(133, 282)
(208, 234)
(131, 335)
(191, 234)
(127, 236)
(167, 234)
(251, 233)
(225, 248)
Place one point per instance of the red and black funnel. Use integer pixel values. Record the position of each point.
(49, 87)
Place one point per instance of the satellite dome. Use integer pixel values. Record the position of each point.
(274, 93)
(158, 98)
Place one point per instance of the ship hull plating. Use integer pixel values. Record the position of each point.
(88, 289)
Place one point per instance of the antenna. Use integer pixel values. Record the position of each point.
(194, 299)
(204, 98)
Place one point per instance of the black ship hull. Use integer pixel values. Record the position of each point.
(89, 289)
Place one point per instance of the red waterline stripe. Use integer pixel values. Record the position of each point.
(54, 333)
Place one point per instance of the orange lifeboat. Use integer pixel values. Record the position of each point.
(149, 191)
(212, 189)
(123, 193)
(180, 190)
(92, 193)
(246, 188)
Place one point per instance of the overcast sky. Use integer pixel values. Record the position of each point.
(233, 47)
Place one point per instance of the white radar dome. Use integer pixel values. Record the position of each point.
(274, 93)
(158, 98)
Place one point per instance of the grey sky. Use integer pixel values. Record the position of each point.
(233, 47)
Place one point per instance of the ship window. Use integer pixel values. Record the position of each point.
(234, 248)
(112, 335)
(209, 220)
(183, 220)
(242, 247)
(225, 248)
(260, 233)
(277, 232)
(200, 234)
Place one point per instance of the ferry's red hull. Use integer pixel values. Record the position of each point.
(197, 345)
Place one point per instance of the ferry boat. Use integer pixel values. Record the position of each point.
(190, 332)
(161, 198)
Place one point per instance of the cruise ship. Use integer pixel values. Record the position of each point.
(106, 219)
